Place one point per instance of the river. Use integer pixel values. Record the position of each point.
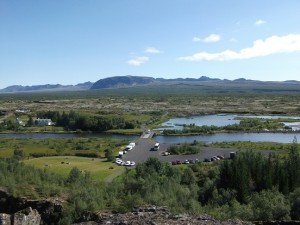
(253, 137)
(216, 120)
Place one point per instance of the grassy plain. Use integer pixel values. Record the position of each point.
(173, 99)
(60, 146)
(62, 165)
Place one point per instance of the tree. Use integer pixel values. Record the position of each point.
(109, 155)
(19, 154)
(188, 177)
(74, 175)
(30, 121)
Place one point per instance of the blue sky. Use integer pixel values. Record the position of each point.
(74, 41)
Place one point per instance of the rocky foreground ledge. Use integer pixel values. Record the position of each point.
(139, 216)
(20, 211)
(153, 215)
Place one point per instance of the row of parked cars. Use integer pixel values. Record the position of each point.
(187, 161)
(214, 158)
(191, 161)
(127, 148)
(120, 162)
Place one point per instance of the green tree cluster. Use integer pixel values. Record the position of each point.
(76, 121)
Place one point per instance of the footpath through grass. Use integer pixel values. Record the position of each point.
(62, 165)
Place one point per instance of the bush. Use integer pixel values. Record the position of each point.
(183, 149)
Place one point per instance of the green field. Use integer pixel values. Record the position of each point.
(94, 147)
(62, 165)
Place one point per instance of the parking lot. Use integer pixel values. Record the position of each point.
(144, 150)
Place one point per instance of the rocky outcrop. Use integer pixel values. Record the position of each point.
(50, 210)
(157, 216)
(5, 219)
(26, 216)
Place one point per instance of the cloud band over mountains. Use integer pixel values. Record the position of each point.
(272, 45)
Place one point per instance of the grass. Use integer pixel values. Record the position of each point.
(68, 146)
(62, 165)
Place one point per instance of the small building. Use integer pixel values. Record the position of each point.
(43, 122)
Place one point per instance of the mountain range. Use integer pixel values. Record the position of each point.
(132, 81)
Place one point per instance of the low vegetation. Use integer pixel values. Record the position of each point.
(250, 186)
(98, 169)
(86, 147)
(183, 149)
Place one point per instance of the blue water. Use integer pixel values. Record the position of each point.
(218, 120)
(253, 137)
(227, 137)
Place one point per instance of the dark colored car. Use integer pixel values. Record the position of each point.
(207, 160)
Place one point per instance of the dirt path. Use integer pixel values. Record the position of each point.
(114, 175)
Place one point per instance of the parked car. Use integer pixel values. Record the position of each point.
(127, 163)
(186, 161)
(165, 153)
(156, 147)
(206, 160)
(119, 161)
(132, 163)
(220, 156)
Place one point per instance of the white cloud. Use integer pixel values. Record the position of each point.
(259, 22)
(209, 39)
(272, 45)
(196, 39)
(137, 61)
(152, 50)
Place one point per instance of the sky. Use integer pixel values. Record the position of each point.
(75, 41)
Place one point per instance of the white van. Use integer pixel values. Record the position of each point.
(156, 147)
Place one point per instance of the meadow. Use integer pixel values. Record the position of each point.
(62, 165)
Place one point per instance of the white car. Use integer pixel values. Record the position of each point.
(127, 163)
(119, 162)
(132, 163)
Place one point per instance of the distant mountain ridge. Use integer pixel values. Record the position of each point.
(46, 87)
(122, 81)
(132, 81)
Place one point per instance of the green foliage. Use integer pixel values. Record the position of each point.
(248, 187)
(85, 122)
(270, 205)
(294, 198)
(109, 155)
(19, 154)
(183, 149)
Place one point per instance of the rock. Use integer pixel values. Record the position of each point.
(27, 216)
(50, 210)
(154, 215)
(5, 219)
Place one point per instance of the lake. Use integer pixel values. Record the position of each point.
(219, 120)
